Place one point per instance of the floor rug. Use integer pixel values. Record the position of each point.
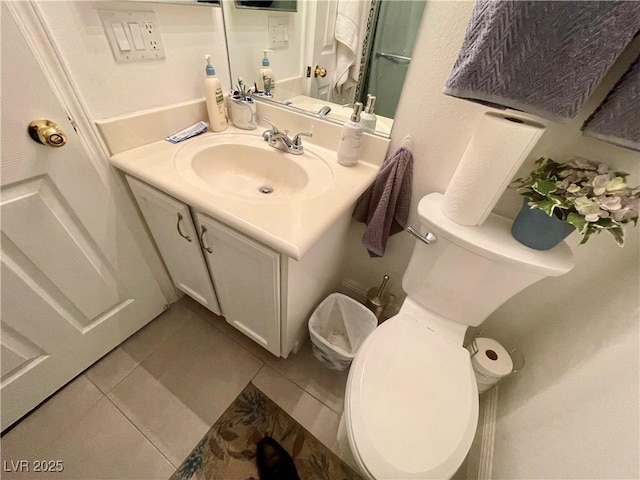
(228, 450)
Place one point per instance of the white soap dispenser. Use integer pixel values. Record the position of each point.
(215, 99)
(351, 139)
(265, 71)
(368, 118)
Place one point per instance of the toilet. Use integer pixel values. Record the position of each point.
(411, 401)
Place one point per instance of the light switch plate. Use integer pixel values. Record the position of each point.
(141, 32)
(278, 32)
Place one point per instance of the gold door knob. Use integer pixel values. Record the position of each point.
(320, 72)
(47, 132)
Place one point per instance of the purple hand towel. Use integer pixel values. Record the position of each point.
(617, 119)
(384, 206)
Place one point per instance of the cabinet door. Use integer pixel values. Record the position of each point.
(172, 228)
(247, 279)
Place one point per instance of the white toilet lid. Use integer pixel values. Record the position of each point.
(411, 404)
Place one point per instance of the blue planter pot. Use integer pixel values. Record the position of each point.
(536, 229)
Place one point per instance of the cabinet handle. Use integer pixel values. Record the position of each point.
(203, 230)
(186, 237)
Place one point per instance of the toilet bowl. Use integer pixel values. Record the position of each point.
(411, 401)
(411, 404)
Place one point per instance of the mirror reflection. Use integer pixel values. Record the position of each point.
(327, 55)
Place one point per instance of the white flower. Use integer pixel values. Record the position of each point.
(623, 215)
(610, 204)
(590, 209)
(573, 188)
(616, 184)
(599, 184)
(584, 164)
(582, 202)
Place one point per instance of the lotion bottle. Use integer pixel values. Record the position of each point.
(351, 139)
(368, 118)
(215, 99)
(265, 71)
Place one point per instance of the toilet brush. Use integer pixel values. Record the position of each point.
(377, 301)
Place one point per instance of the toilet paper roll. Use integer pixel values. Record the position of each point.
(492, 360)
(498, 146)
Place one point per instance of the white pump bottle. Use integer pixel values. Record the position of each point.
(351, 139)
(215, 99)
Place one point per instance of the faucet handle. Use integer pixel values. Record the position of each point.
(274, 129)
(296, 140)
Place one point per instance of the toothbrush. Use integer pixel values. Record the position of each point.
(243, 87)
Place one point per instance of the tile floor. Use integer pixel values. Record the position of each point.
(139, 411)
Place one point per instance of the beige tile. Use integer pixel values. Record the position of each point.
(160, 415)
(111, 369)
(102, 444)
(192, 378)
(313, 415)
(48, 422)
(302, 368)
(115, 366)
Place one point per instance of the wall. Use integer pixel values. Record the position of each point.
(108, 88)
(573, 411)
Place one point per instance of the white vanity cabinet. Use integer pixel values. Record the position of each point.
(247, 279)
(265, 294)
(172, 228)
(245, 273)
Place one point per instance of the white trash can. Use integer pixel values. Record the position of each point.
(337, 328)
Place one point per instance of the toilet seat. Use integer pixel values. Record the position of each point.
(411, 403)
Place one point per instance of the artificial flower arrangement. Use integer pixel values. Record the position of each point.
(583, 193)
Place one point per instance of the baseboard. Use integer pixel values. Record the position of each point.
(356, 291)
(488, 433)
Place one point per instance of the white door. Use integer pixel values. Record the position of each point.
(74, 284)
(247, 278)
(322, 26)
(172, 228)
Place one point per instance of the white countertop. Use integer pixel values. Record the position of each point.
(291, 228)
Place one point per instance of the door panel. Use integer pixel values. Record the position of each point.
(324, 48)
(74, 284)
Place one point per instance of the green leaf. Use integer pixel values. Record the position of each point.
(618, 235)
(577, 221)
(587, 233)
(544, 187)
(547, 206)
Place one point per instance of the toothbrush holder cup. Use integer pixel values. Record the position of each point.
(243, 113)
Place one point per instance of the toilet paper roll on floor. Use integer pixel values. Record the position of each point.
(492, 359)
(499, 145)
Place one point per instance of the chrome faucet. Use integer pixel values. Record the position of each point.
(324, 111)
(282, 141)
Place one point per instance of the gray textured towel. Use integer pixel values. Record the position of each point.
(541, 57)
(384, 206)
(617, 119)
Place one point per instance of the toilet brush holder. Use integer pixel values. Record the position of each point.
(377, 300)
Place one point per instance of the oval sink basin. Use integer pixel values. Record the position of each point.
(244, 166)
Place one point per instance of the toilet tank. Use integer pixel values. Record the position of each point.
(470, 271)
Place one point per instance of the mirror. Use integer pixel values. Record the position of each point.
(280, 5)
(313, 71)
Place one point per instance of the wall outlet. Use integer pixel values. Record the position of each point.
(133, 35)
